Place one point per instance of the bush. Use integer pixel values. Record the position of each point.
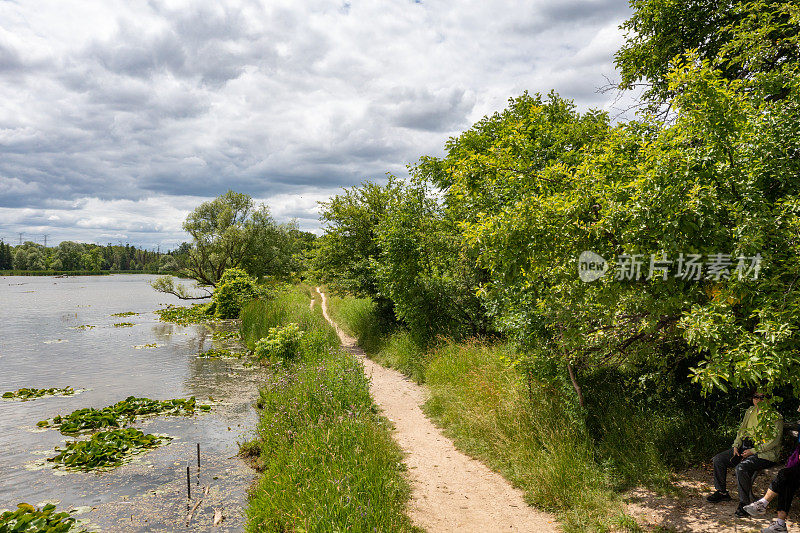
(282, 342)
(235, 289)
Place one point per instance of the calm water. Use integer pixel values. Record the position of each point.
(40, 347)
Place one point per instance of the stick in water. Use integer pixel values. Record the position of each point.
(188, 484)
(191, 513)
(218, 516)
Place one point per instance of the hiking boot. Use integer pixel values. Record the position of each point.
(719, 496)
(756, 508)
(740, 512)
(775, 528)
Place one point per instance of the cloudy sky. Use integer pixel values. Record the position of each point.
(119, 117)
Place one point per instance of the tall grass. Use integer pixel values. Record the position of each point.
(359, 318)
(485, 406)
(288, 305)
(327, 459)
(385, 342)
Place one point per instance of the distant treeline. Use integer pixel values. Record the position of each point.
(83, 272)
(74, 257)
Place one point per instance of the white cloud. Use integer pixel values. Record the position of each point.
(160, 103)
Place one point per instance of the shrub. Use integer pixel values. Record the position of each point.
(235, 289)
(282, 342)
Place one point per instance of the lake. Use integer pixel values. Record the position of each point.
(42, 346)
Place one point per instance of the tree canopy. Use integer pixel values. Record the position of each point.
(753, 41)
(231, 232)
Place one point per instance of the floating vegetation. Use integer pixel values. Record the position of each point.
(220, 335)
(30, 519)
(121, 414)
(106, 449)
(84, 327)
(220, 353)
(124, 325)
(126, 313)
(195, 314)
(31, 394)
(150, 345)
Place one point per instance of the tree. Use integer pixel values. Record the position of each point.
(346, 255)
(222, 230)
(755, 41)
(424, 268)
(20, 259)
(723, 179)
(6, 257)
(275, 249)
(70, 255)
(229, 232)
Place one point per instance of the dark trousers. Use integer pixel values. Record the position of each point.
(745, 472)
(785, 484)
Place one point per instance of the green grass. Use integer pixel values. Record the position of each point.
(289, 305)
(386, 343)
(484, 405)
(327, 460)
(357, 316)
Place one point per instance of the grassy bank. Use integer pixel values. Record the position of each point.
(327, 461)
(525, 423)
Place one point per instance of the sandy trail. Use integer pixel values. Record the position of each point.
(690, 511)
(450, 491)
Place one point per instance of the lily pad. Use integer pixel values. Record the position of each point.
(28, 518)
(25, 394)
(105, 449)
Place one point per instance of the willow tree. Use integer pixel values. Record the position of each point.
(228, 232)
(222, 230)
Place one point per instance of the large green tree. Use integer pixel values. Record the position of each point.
(346, 256)
(232, 232)
(423, 266)
(222, 230)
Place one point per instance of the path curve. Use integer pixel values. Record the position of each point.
(450, 491)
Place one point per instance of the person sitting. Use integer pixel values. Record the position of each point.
(782, 487)
(748, 455)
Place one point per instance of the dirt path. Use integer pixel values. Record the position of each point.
(691, 512)
(450, 491)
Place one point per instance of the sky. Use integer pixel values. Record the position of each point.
(117, 118)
